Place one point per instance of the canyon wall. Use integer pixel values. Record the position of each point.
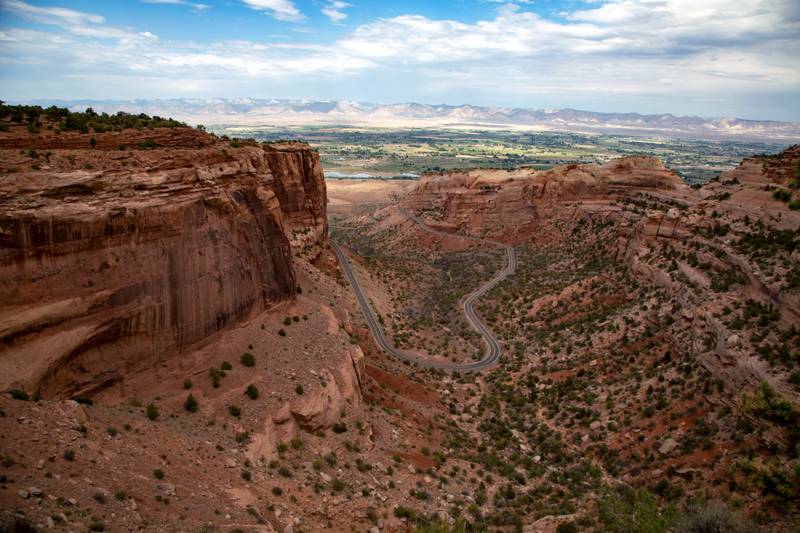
(113, 256)
(512, 204)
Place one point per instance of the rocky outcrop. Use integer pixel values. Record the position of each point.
(113, 258)
(511, 204)
(778, 169)
(319, 410)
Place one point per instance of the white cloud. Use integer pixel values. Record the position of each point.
(51, 15)
(279, 9)
(334, 10)
(636, 50)
(75, 22)
(198, 7)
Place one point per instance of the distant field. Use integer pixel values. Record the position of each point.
(382, 152)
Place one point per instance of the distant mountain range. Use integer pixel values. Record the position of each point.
(251, 111)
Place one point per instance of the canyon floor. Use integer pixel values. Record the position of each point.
(648, 380)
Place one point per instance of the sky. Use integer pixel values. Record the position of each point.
(712, 58)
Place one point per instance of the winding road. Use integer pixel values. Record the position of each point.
(492, 352)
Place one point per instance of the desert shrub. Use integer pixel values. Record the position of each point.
(282, 332)
(148, 144)
(634, 511)
(152, 411)
(339, 427)
(251, 391)
(769, 405)
(187, 383)
(158, 473)
(191, 404)
(69, 455)
(405, 512)
(247, 359)
(216, 376)
(298, 389)
(226, 366)
(567, 527)
(713, 518)
(287, 321)
(235, 410)
(19, 394)
(277, 491)
(782, 195)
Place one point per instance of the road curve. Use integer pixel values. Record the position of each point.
(492, 352)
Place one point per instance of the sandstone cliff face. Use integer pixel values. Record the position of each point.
(301, 191)
(778, 169)
(511, 204)
(112, 259)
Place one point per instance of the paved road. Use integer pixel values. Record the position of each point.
(492, 347)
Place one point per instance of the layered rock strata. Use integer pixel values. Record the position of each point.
(118, 252)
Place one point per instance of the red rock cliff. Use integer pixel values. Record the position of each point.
(512, 204)
(112, 258)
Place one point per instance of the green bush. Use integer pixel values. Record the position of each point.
(158, 473)
(769, 405)
(19, 394)
(712, 518)
(226, 366)
(247, 359)
(567, 527)
(251, 392)
(782, 195)
(235, 410)
(191, 404)
(299, 390)
(152, 411)
(405, 512)
(634, 511)
(216, 376)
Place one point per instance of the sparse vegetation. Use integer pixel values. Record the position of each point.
(152, 411)
(191, 404)
(251, 392)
